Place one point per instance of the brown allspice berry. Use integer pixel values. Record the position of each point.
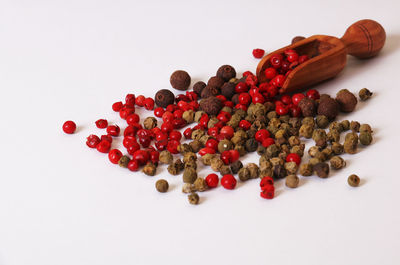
(226, 72)
(200, 184)
(347, 101)
(353, 180)
(306, 169)
(124, 161)
(215, 81)
(322, 169)
(198, 87)
(149, 169)
(364, 94)
(292, 181)
(297, 39)
(193, 198)
(337, 162)
(228, 90)
(189, 175)
(180, 80)
(211, 105)
(209, 91)
(308, 107)
(149, 123)
(328, 107)
(235, 99)
(164, 97)
(162, 185)
(236, 166)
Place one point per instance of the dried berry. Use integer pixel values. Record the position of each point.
(291, 167)
(226, 72)
(180, 80)
(225, 170)
(209, 91)
(365, 138)
(306, 131)
(337, 162)
(328, 107)
(124, 161)
(364, 94)
(188, 188)
(211, 105)
(355, 126)
(189, 175)
(337, 148)
(224, 145)
(320, 137)
(215, 81)
(216, 164)
(198, 87)
(347, 101)
(196, 145)
(322, 169)
(228, 90)
(162, 185)
(350, 143)
(236, 166)
(254, 170)
(353, 180)
(322, 121)
(149, 123)
(165, 157)
(308, 107)
(251, 145)
(244, 174)
(149, 169)
(164, 97)
(176, 167)
(200, 184)
(292, 181)
(333, 136)
(365, 128)
(279, 171)
(297, 38)
(345, 125)
(188, 116)
(306, 169)
(193, 198)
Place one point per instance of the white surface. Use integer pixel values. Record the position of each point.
(62, 203)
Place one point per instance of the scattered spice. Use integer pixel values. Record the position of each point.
(164, 97)
(180, 80)
(149, 169)
(124, 161)
(166, 157)
(364, 94)
(189, 175)
(200, 184)
(328, 107)
(188, 188)
(306, 169)
(211, 105)
(347, 101)
(198, 87)
(337, 162)
(162, 185)
(322, 169)
(353, 180)
(365, 138)
(292, 181)
(193, 198)
(236, 166)
(176, 167)
(350, 143)
(149, 123)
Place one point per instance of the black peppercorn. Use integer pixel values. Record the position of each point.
(279, 171)
(211, 105)
(209, 91)
(180, 80)
(251, 145)
(228, 90)
(226, 72)
(236, 166)
(322, 169)
(198, 87)
(164, 97)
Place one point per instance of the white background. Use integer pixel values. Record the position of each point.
(62, 203)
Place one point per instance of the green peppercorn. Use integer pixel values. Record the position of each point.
(314, 150)
(365, 128)
(149, 123)
(271, 115)
(184, 148)
(206, 159)
(189, 157)
(345, 125)
(292, 181)
(306, 169)
(124, 161)
(308, 121)
(365, 138)
(176, 167)
(244, 174)
(251, 145)
(322, 121)
(162, 185)
(241, 149)
(225, 170)
(291, 167)
(254, 170)
(322, 169)
(294, 140)
(197, 134)
(320, 137)
(364, 94)
(198, 115)
(333, 136)
(272, 151)
(306, 131)
(224, 145)
(279, 172)
(196, 146)
(193, 198)
(149, 169)
(353, 180)
(165, 157)
(337, 148)
(200, 184)
(188, 116)
(313, 161)
(336, 126)
(261, 150)
(188, 188)
(276, 161)
(328, 153)
(216, 164)
(350, 143)
(355, 126)
(189, 175)
(337, 162)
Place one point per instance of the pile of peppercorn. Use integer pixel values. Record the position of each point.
(232, 118)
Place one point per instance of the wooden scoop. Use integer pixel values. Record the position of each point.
(363, 39)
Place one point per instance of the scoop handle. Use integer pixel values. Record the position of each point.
(364, 39)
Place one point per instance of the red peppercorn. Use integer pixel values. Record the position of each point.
(166, 127)
(251, 80)
(226, 157)
(282, 110)
(278, 80)
(293, 157)
(167, 117)
(178, 113)
(276, 60)
(117, 106)
(133, 165)
(295, 111)
(158, 112)
(267, 142)
(175, 135)
(222, 98)
(128, 140)
(270, 73)
(172, 146)
(206, 150)
(141, 156)
(224, 116)
(92, 141)
(212, 180)
(247, 73)
(303, 58)
(258, 53)
(241, 87)
(258, 98)
(132, 148)
(272, 90)
(227, 131)
(285, 66)
(313, 94)
(188, 133)
(161, 136)
(132, 119)
(241, 106)
(296, 98)
(125, 112)
(261, 135)
(228, 104)
(154, 156)
(113, 130)
(267, 180)
(161, 145)
(245, 125)
(212, 143)
(130, 100)
(101, 123)
(179, 123)
(234, 155)
(213, 131)
(140, 100)
(145, 141)
(114, 156)
(291, 55)
(228, 182)
(69, 127)
(107, 138)
(268, 192)
(149, 103)
(286, 99)
(104, 146)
